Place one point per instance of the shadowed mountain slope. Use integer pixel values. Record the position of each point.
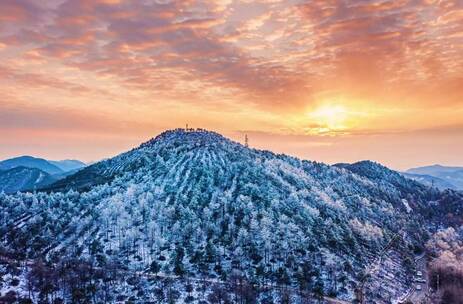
(30, 162)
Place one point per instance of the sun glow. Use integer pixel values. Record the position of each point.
(329, 117)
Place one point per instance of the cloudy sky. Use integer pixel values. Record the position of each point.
(328, 80)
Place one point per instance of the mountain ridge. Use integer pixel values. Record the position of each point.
(20, 173)
(68, 164)
(438, 167)
(106, 170)
(30, 162)
(49, 166)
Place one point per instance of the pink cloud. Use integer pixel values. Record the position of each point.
(274, 55)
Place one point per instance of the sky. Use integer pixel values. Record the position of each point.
(326, 80)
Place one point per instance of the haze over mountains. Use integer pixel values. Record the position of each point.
(192, 206)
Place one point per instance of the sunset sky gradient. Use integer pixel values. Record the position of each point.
(327, 80)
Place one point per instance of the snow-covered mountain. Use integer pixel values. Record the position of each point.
(211, 212)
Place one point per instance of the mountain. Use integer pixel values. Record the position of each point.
(430, 181)
(28, 173)
(49, 166)
(433, 170)
(68, 164)
(451, 175)
(30, 162)
(192, 215)
(382, 176)
(22, 178)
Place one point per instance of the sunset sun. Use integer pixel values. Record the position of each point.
(330, 116)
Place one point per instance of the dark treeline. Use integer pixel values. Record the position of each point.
(73, 280)
(448, 282)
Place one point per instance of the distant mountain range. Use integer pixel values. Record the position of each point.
(68, 164)
(29, 173)
(442, 177)
(30, 162)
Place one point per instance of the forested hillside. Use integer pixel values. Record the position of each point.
(191, 216)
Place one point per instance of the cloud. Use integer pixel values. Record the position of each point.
(17, 78)
(18, 115)
(134, 40)
(19, 11)
(266, 62)
(272, 52)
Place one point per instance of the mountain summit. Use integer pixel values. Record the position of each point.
(188, 136)
(172, 142)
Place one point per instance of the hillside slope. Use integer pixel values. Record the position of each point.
(197, 205)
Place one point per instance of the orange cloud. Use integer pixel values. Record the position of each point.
(263, 62)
